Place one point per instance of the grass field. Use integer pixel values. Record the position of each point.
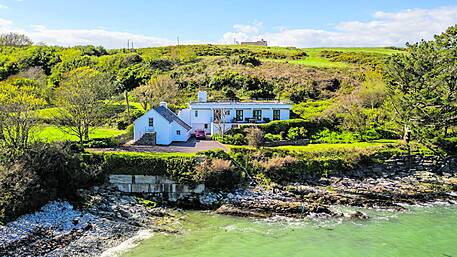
(315, 60)
(326, 147)
(54, 134)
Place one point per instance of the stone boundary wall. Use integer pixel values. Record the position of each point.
(159, 185)
(288, 142)
(405, 165)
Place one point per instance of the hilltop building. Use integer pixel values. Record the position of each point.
(256, 43)
(162, 126)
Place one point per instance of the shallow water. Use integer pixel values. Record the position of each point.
(430, 231)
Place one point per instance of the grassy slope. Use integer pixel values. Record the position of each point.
(314, 59)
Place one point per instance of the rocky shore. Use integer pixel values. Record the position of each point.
(104, 219)
(317, 197)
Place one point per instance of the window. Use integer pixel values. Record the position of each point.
(151, 122)
(227, 112)
(276, 114)
(258, 114)
(196, 113)
(206, 126)
(178, 132)
(239, 115)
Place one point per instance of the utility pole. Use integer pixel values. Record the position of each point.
(177, 39)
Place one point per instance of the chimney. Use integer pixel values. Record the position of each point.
(202, 96)
(164, 104)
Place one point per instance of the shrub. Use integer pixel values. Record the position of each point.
(101, 143)
(218, 174)
(272, 137)
(40, 174)
(179, 166)
(245, 59)
(236, 139)
(296, 133)
(333, 137)
(281, 169)
(254, 137)
(278, 126)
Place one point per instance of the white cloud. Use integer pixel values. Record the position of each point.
(97, 36)
(385, 29)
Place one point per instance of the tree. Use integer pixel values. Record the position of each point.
(373, 90)
(130, 78)
(81, 98)
(422, 86)
(19, 99)
(255, 137)
(220, 118)
(15, 39)
(157, 89)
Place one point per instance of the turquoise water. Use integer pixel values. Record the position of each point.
(430, 231)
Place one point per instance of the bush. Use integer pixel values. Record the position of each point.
(218, 174)
(278, 126)
(281, 169)
(236, 139)
(101, 143)
(296, 133)
(332, 137)
(40, 174)
(272, 137)
(179, 166)
(254, 137)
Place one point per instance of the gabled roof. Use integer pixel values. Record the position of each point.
(171, 116)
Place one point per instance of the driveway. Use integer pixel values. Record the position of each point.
(191, 146)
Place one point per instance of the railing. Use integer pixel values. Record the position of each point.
(256, 100)
(149, 129)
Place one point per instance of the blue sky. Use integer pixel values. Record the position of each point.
(286, 22)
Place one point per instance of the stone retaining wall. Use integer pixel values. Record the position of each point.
(404, 165)
(159, 185)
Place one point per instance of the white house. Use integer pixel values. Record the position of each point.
(213, 117)
(161, 126)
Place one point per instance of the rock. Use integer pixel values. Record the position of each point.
(232, 210)
(356, 215)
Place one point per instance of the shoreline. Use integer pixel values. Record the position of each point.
(107, 222)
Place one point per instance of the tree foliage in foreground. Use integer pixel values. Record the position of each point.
(422, 86)
(19, 99)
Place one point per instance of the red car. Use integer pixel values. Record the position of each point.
(200, 134)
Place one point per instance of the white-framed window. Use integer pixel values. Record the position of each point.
(178, 132)
(196, 113)
(151, 122)
(258, 115)
(276, 114)
(206, 126)
(227, 112)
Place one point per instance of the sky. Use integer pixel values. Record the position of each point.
(338, 23)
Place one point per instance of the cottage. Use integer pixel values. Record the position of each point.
(162, 126)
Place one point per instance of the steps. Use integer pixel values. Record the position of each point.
(149, 138)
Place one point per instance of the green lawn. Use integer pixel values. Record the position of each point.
(54, 134)
(326, 147)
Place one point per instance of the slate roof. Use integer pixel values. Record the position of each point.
(171, 116)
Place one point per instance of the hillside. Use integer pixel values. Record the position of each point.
(315, 79)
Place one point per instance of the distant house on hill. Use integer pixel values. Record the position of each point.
(162, 126)
(256, 43)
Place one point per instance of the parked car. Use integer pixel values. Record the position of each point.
(200, 134)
